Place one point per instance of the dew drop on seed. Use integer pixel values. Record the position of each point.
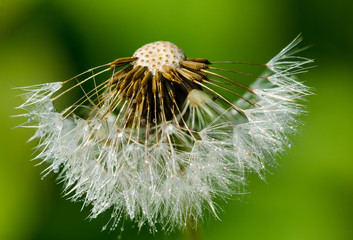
(30, 119)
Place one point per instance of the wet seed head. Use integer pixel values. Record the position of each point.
(162, 138)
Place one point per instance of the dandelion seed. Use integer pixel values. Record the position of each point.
(155, 141)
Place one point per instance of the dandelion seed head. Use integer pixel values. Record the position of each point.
(157, 54)
(157, 142)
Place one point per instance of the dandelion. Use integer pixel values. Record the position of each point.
(157, 141)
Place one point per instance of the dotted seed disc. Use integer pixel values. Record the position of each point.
(155, 55)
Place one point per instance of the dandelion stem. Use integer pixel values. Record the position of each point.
(194, 230)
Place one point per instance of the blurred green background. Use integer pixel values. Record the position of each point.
(308, 197)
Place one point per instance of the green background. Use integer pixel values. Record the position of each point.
(308, 196)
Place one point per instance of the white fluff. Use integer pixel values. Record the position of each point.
(172, 177)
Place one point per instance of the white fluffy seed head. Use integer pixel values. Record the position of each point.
(157, 54)
(182, 165)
